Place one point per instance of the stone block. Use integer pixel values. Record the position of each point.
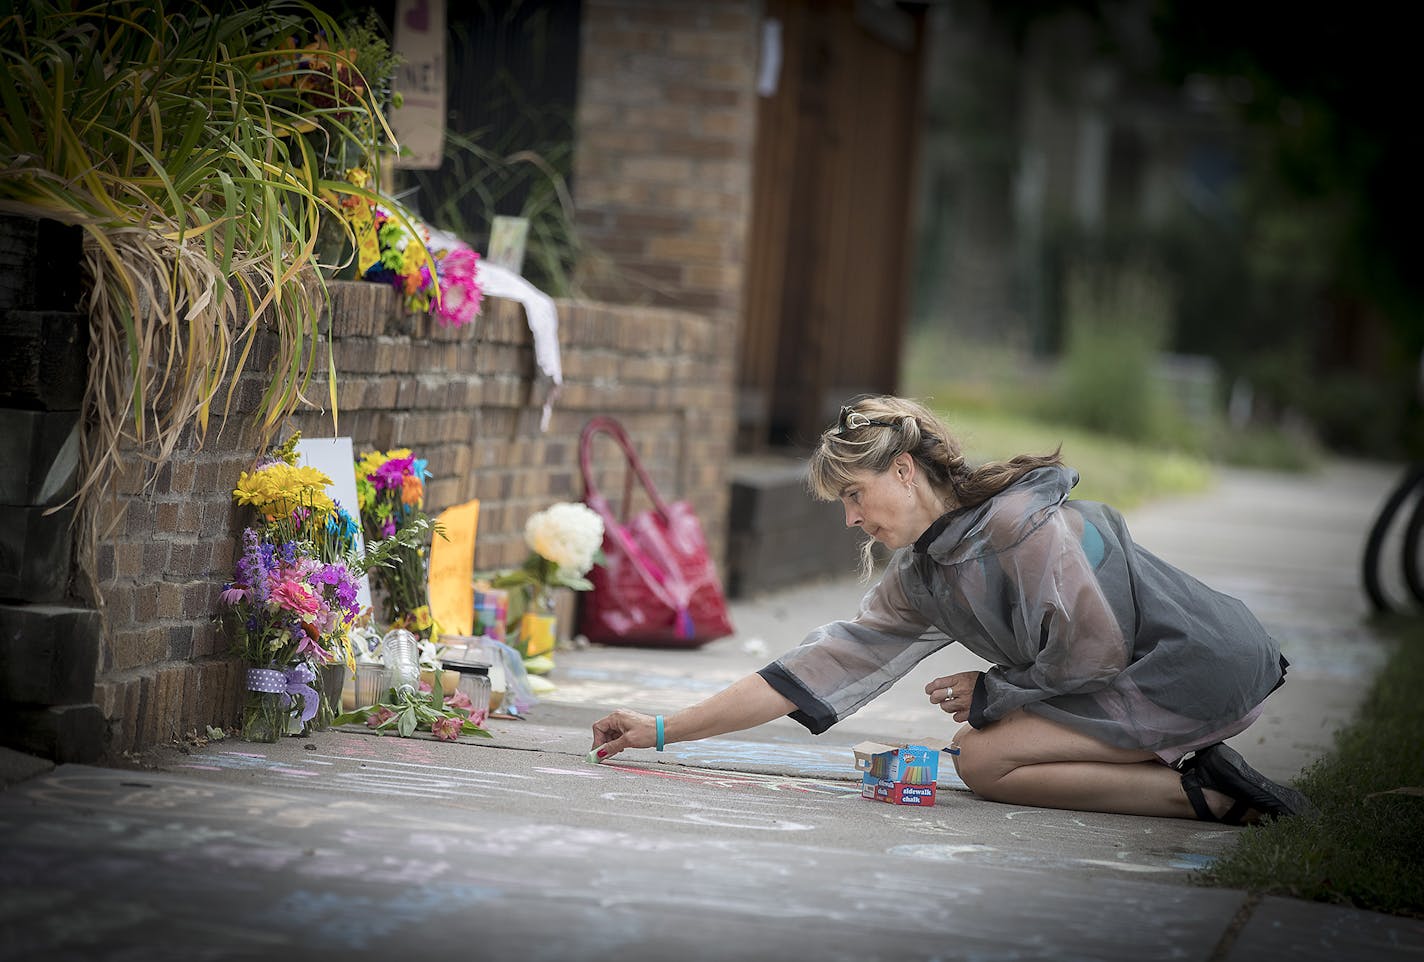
(48, 653)
(43, 359)
(35, 552)
(63, 733)
(778, 535)
(39, 264)
(39, 456)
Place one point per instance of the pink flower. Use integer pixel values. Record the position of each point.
(309, 647)
(296, 598)
(379, 717)
(460, 292)
(234, 595)
(461, 701)
(478, 717)
(447, 729)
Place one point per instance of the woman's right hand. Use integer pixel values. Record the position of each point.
(623, 729)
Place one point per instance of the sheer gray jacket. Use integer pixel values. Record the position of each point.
(1081, 625)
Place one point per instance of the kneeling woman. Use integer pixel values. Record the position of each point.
(1115, 679)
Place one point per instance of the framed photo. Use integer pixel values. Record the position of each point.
(508, 235)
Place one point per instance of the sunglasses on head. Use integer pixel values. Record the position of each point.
(852, 419)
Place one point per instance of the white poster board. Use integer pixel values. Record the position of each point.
(333, 457)
(419, 122)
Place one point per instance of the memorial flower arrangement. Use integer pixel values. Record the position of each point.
(405, 260)
(292, 614)
(435, 272)
(390, 489)
(291, 610)
(410, 704)
(565, 540)
(460, 291)
(407, 710)
(292, 603)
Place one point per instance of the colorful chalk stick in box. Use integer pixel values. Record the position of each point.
(899, 774)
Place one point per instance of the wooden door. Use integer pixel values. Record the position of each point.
(829, 244)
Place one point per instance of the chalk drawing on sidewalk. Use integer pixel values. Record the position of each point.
(637, 805)
(742, 780)
(354, 922)
(921, 821)
(572, 773)
(778, 757)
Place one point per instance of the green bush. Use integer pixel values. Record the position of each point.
(1117, 320)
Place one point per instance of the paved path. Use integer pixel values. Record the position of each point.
(752, 846)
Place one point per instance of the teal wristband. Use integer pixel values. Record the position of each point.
(659, 721)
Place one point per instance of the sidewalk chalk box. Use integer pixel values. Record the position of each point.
(898, 774)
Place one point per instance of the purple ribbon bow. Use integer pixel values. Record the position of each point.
(295, 681)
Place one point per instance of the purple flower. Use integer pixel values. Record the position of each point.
(346, 595)
(255, 568)
(391, 475)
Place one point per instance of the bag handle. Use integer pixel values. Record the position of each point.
(603, 424)
(667, 585)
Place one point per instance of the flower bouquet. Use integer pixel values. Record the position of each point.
(565, 540)
(390, 487)
(292, 603)
(291, 615)
(460, 291)
(412, 705)
(405, 261)
(293, 600)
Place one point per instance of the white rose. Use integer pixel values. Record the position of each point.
(567, 535)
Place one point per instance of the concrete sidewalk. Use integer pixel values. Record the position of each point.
(750, 846)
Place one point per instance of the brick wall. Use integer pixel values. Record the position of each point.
(469, 402)
(666, 124)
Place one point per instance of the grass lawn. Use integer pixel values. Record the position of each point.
(1367, 847)
(1116, 472)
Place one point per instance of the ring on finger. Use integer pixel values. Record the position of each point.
(948, 694)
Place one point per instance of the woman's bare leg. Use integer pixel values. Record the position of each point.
(1024, 759)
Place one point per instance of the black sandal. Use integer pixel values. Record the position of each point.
(1193, 781)
(1222, 769)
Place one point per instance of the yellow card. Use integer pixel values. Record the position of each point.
(452, 570)
(368, 251)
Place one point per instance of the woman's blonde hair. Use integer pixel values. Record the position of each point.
(873, 431)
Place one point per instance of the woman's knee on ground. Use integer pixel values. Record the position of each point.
(978, 765)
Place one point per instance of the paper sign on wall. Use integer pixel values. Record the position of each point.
(333, 457)
(452, 570)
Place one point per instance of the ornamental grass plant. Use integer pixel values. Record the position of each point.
(192, 147)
